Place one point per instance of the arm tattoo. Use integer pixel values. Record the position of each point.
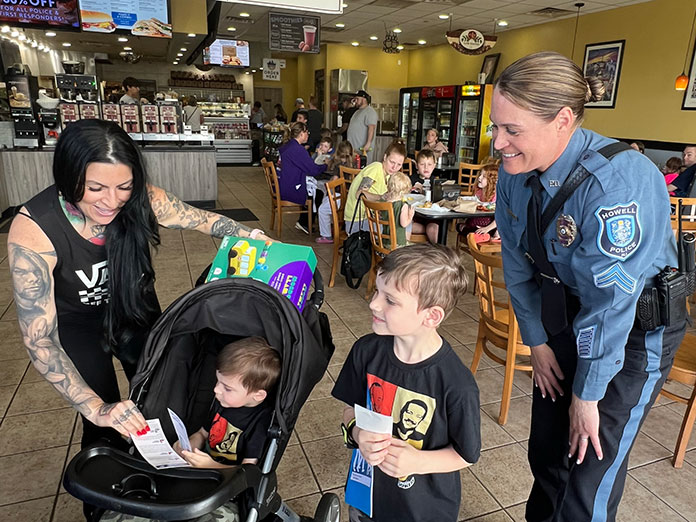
(225, 226)
(365, 184)
(39, 326)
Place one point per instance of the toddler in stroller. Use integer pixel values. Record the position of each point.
(177, 371)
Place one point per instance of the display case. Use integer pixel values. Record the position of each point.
(224, 109)
(232, 139)
(272, 140)
(474, 128)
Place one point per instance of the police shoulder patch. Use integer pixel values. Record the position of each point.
(616, 275)
(619, 230)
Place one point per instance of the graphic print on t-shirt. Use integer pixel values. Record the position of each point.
(223, 439)
(97, 284)
(411, 412)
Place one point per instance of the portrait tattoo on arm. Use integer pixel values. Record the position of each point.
(39, 326)
(365, 184)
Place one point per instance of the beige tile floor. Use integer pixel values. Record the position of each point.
(38, 434)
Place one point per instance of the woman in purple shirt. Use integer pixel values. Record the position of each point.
(296, 166)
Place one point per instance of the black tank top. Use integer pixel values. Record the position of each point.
(81, 275)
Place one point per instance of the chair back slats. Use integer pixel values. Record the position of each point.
(269, 171)
(336, 190)
(348, 174)
(688, 214)
(407, 167)
(468, 173)
(382, 231)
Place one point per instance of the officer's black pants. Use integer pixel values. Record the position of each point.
(564, 491)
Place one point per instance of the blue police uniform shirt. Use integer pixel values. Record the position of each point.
(624, 238)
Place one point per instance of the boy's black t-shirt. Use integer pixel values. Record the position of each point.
(434, 403)
(235, 434)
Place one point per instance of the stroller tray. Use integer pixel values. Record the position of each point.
(114, 480)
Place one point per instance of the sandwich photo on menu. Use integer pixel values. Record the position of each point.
(98, 22)
(152, 27)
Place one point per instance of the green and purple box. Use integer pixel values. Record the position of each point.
(285, 267)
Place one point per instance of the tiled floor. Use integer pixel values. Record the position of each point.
(38, 434)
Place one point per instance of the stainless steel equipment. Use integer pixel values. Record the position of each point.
(22, 92)
(50, 123)
(344, 83)
(78, 87)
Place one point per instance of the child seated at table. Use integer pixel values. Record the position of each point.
(398, 187)
(671, 170)
(323, 152)
(425, 164)
(342, 157)
(485, 193)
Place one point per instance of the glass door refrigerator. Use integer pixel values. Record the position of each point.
(474, 128)
(409, 104)
(439, 111)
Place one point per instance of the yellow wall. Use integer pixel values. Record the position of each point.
(384, 71)
(647, 106)
(306, 65)
(288, 82)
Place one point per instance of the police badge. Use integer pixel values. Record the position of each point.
(619, 230)
(566, 229)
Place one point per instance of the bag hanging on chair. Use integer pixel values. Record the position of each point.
(357, 253)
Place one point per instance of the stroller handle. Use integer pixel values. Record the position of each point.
(317, 297)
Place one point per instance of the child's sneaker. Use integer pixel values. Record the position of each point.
(324, 240)
(300, 227)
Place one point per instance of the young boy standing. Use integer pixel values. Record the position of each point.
(407, 371)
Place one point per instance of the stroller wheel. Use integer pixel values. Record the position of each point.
(329, 509)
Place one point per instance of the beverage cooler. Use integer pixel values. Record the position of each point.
(474, 129)
(409, 105)
(439, 111)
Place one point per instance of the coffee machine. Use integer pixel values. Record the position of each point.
(22, 92)
(79, 95)
(50, 121)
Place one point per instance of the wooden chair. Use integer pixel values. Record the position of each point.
(279, 206)
(684, 371)
(336, 189)
(688, 214)
(468, 174)
(382, 234)
(497, 322)
(348, 174)
(407, 167)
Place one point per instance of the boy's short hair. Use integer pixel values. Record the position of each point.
(432, 273)
(326, 133)
(129, 81)
(253, 359)
(425, 154)
(326, 139)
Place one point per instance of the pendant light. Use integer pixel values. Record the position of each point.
(579, 5)
(682, 80)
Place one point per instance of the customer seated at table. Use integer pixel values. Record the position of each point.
(297, 165)
(432, 142)
(485, 193)
(342, 157)
(323, 153)
(372, 183)
(671, 171)
(425, 165)
(398, 187)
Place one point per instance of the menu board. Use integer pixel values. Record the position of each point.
(140, 17)
(41, 13)
(294, 33)
(228, 53)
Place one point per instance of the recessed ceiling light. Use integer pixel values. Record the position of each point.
(397, 30)
(22, 37)
(5, 29)
(180, 54)
(340, 25)
(230, 29)
(66, 44)
(354, 44)
(47, 50)
(260, 68)
(246, 72)
(191, 35)
(253, 70)
(244, 15)
(422, 42)
(400, 47)
(175, 63)
(41, 47)
(183, 49)
(127, 48)
(123, 39)
(373, 37)
(443, 16)
(50, 33)
(502, 23)
(344, 5)
(34, 44)
(14, 34)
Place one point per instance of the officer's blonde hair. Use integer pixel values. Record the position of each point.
(432, 273)
(543, 83)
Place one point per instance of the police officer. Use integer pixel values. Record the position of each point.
(574, 279)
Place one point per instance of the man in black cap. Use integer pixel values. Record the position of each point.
(361, 130)
(348, 110)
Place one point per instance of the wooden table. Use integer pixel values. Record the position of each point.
(444, 218)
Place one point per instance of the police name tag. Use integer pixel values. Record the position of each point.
(619, 230)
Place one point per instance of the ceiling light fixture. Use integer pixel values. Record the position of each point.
(246, 72)
(374, 37)
(502, 23)
(175, 63)
(180, 54)
(579, 5)
(50, 34)
(123, 39)
(397, 30)
(340, 25)
(400, 47)
(15, 34)
(443, 17)
(41, 47)
(682, 81)
(183, 49)
(127, 48)
(22, 37)
(191, 35)
(66, 44)
(390, 45)
(354, 44)
(422, 42)
(244, 15)
(5, 29)
(253, 70)
(231, 29)
(34, 44)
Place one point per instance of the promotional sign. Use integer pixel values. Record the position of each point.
(316, 6)
(58, 13)
(228, 53)
(470, 41)
(140, 17)
(294, 33)
(271, 69)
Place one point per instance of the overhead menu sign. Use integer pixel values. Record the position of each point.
(140, 17)
(40, 13)
(317, 6)
(293, 33)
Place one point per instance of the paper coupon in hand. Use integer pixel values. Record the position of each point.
(155, 448)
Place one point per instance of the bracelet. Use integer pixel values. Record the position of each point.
(347, 432)
(255, 233)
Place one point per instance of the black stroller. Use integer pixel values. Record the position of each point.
(177, 370)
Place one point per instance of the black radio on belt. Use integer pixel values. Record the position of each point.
(665, 303)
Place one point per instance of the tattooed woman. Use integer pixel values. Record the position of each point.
(82, 272)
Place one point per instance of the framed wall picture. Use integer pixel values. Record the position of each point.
(689, 102)
(603, 61)
(489, 65)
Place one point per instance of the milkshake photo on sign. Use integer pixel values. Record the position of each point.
(310, 32)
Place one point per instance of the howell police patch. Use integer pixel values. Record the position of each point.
(619, 230)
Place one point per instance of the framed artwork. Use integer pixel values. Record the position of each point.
(689, 102)
(489, 65)
(603, 61)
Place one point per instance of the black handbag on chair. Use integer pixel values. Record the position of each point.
(357, 253)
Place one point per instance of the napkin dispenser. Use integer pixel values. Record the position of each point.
(443, 190)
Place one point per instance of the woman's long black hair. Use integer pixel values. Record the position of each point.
(133, 305)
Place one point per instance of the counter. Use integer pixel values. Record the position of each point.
(188, 172)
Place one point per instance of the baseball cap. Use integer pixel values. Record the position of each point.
(299, 100)
(362, 94)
